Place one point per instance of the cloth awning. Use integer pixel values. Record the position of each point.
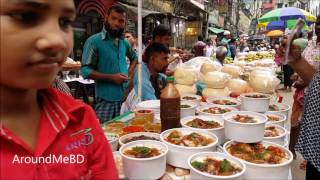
(133, 11)
(200, 6)
(215, 30)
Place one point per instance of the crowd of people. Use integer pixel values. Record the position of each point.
(38, 120)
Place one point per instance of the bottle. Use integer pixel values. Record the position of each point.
(169, 106)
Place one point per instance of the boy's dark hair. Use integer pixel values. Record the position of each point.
(233, 40)
(129, 32)
(117, 8)
(154, 48)
(161, 30)
(200, 38)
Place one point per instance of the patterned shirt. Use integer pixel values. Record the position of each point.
(309, 138)
(311, 52)
(102, 54)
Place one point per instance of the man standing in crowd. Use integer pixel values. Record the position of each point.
(198, 47)
(154, 60)
(104, 60)
(132, 40)
(209, 50)
(226, 40)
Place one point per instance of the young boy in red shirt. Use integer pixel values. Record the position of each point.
(44, 134)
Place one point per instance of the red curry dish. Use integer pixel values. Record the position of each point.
(142, 152)
(216, 167)
(189, 98)
(273, 118)
(202, 124)
(244, 119)
(224, 102)
(258, 153)
(271, 131)
(216, 110)
(256, 96)
(190, 140)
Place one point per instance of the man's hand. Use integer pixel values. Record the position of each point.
(119, 78)
(294, 54)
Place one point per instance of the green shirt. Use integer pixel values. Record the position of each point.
(101, 54)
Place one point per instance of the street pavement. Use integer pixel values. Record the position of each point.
(297, 173)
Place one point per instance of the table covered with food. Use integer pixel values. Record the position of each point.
(233, 129)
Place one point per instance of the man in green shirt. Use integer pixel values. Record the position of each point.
(104, 60)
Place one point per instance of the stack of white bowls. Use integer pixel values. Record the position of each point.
(239, 132)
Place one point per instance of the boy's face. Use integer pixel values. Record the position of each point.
(130, 38)
(36, 38)
(159, 61)
(163, 40)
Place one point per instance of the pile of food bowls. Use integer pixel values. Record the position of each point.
(257, 138)
(250, 129)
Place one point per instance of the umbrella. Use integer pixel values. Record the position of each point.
(276, 25)
(280, 25)
(288, 13)
(274, 33)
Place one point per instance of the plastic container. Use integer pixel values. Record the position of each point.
(169, 106)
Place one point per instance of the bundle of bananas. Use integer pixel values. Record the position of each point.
(228, 60)
(258, 56)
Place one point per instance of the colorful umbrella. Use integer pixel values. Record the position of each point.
(281, 25)
(274, 33)
(285, 14)
(276, 25)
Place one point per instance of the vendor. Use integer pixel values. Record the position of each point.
(154, 60)
(221, 53)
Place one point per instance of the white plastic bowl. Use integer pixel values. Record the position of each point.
(190, 111)
(219, 132)
(255, 104)
(122, 139)
(150, 104)
(265, 171)
(277, 139)
(211, 99)
(216, 116)
(244, 132)
(196, 101)
(113, 140)
(282, 118)
(196, 174)
(284, 109)
(178, 155)
(144, 168)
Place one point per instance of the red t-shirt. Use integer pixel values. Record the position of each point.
(70, 144)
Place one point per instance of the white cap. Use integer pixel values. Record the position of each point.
(226, 32)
